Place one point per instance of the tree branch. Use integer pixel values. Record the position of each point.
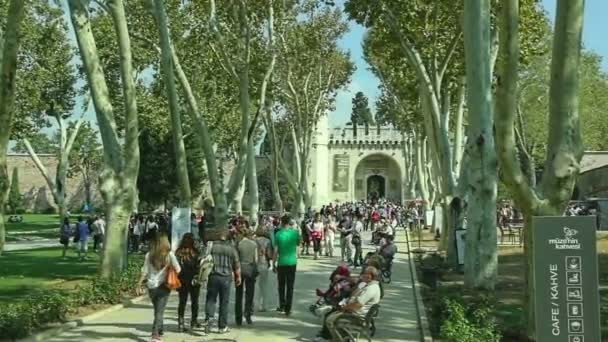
(506, 107)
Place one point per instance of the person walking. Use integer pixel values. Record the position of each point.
(138, 230)
(154, 276)
(248, 256)
(317, 235)
(285, 261)
(189, 259)
(346, 239)
(82, 229)
(262, 295)
(226, 265)
(65, 234)
(100, 232)
(356, 240)
(330, 235)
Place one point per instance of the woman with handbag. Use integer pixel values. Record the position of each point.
(159, 274)
(188, 257)
(248, 256)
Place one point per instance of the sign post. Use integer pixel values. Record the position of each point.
(180, 225)
(566, 279)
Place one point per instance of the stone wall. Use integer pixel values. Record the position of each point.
(33, 187)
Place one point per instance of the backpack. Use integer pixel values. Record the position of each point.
(206, 265)
(376, 216)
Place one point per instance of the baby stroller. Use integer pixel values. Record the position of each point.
(340, 287)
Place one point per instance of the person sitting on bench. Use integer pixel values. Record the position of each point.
(363, 298)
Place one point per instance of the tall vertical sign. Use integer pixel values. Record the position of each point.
(566, 279)
(341, 173)
(180, 225)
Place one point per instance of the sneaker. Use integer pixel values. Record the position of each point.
(156, 338)
(279, 309)
(223, 330)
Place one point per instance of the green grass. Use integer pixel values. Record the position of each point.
(33, 225)
(23, 273)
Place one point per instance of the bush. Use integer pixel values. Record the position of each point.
(20, 319)
(49, 211)
(470, 322)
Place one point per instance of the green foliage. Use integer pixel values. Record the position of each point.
(431, 26)
(45, 81)
(468, 322)
(457, 316)
(20, 319)
(41, 143)
(361, 114)
(534, 103)
(15, 199)
(265, 190)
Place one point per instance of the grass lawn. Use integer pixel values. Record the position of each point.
(509, 289)
(33, 226)
(25, 272)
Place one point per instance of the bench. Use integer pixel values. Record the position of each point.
(354, 327)
(514, 229)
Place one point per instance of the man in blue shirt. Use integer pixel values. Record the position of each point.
(83, 237)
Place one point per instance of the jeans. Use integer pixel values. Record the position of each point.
(286, 276)
(316, 243)
(262, 295)
(248, 285)
(346, 248)
(218, 285)
(159, 297)
(329, 245)
(358, 255)
(97, 241)
(186, 290)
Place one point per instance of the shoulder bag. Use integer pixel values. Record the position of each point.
(173, 282)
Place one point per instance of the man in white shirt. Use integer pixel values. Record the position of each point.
(357, 240)
(358, 304)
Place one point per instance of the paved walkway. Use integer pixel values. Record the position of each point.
(31, 244)
(396, 323)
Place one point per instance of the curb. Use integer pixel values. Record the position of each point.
(423, 322)
(46, 334)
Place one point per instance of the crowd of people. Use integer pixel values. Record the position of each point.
(246, 255)
(80, 233)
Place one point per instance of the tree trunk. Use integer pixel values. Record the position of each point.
(185, 197)
(118, 177)
(8, 69)
(564, 141)
(252, 183)
(115, 244)
(481, 258)
(237, 200)
(276, 193)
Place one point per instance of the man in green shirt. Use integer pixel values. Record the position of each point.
(287, 240)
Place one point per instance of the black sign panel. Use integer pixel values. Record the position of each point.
(566, 279)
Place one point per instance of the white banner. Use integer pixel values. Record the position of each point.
(180, 225)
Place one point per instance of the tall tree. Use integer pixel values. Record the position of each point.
(361, 114)
(185, 196)
(121, 156)
(481, 265)
(312, 68)
(8, 68)
(15, 199)
(564, 142)
(85, 157)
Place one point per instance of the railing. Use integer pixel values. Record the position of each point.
(386, 134)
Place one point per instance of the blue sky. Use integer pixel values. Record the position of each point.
(594, 38)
